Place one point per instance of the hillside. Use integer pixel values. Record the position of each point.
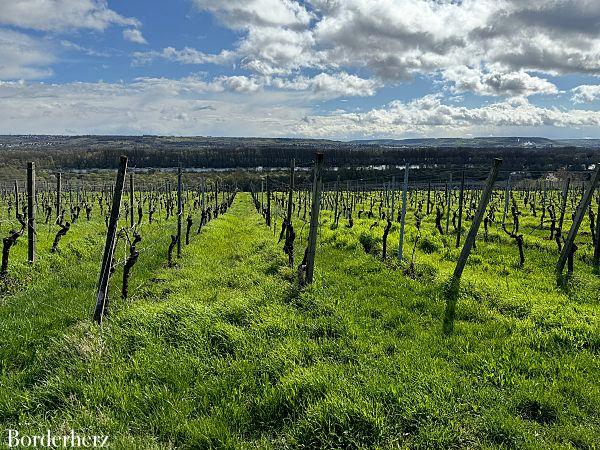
(224, 350)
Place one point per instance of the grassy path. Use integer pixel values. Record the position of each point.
(223, 352)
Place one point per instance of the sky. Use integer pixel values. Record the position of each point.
(336, 69)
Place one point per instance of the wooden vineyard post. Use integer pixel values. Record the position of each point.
(168, 198)
(288, 233)
(291, 191)
(179, 211)
(131, 199)
(314, 218)
(337, 198)
(31, 212)
(461, 200)
(58, 194)
(429, 198)
(393, 209)
(563, 207)
(268, 218)
(579, 215)
(216, 196)
(403, 216)
(506, 201)
(101, 308)
(448, 202)
(452, 294)
(597, 247)
(17, 208)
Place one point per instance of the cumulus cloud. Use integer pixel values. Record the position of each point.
(398, 39)
(270, 51)
(241, 14)
(61, 15)
(134, 35)
(291, 53)
(189, 106)
(430, 116)
(326, 85)
(31, 56)
(218, 107)
(496, 83)
(23, 57)
(186, 55)
(586, 93)
(239, 84)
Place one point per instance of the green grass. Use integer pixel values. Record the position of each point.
(224, 352)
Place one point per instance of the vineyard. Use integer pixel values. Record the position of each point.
(358, 313)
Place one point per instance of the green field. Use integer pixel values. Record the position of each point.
(225, 351)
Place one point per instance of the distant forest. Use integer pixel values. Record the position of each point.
(53, 153)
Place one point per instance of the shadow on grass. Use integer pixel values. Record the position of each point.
(451, 295)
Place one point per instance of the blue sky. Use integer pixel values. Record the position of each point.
(341, 69)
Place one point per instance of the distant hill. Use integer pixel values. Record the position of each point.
(482, 142)
(586, 143)
(364, 158)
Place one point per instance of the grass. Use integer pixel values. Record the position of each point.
(224, 352)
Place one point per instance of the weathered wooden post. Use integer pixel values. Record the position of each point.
(579, 215)
(452, 294)
(403, 216)
(131, 199)
(337, 197)
(17, 206)
(314, 217)
(597, 247)
(268, 218)
(31, 212)
(393, 210)
(288, 232)
(179, 211)
(429, 198)
(461, 200)
(58, 193)
(291, 191)
(203, 194)
(216, 195)
(563, 208)
(448, 203)
(101, 308)
(506, 201)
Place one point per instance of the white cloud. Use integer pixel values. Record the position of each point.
(327, 86)
(149, 105)
(134, 35)
(242, 14)
(186, 55)
(431, 117)
(68, 45)
(398, 39)
(495, 82)
(239, 84)
(229, 106)
(61, 15)
(297, 52)
(586, 93)
(23, 57)
(270, 50)
(30, 56)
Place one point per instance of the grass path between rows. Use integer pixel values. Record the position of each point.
(223, 352)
